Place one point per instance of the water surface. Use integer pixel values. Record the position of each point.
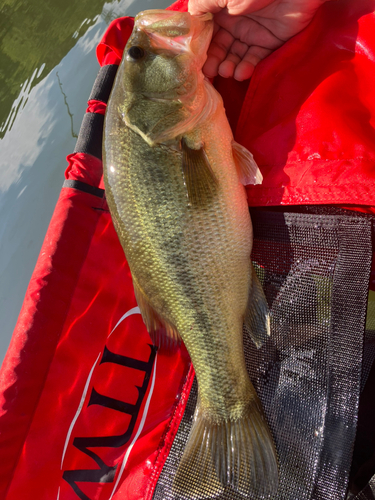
(47, 69)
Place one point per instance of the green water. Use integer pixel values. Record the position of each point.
(35, 36)
(47, 69)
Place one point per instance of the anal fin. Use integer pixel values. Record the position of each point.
(247, 169)
(257, 316)
(163, 334)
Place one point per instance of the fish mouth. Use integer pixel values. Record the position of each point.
(162, 100)
(177, 32)
(178, 94)
(148, 16)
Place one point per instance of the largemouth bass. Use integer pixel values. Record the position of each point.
(174, 181)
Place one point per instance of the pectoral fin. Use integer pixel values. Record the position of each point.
(163, 334)
(201, 182)
(257, 316)
(248, 170)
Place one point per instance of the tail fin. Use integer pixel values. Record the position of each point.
(239, 453)
(196, 476)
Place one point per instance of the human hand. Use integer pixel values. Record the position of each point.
(246, 31)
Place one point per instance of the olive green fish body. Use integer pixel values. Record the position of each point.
(188, 250)
(185, 259)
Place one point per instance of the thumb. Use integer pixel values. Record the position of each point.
(199, 7)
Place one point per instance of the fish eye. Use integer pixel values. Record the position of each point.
(136, 52)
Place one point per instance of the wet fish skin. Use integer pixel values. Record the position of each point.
(189, 250)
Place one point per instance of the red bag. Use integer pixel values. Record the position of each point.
(89, 409)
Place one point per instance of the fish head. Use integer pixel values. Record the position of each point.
(161, 71)
(165, 53)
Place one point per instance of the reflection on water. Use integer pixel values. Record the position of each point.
(20, 102)
(34, 37)
(47, 69)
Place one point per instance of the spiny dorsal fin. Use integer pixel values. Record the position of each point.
(201, 182)
(257, 316)
(247, 169)
(163, 334)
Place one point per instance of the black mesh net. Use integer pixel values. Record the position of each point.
(314, 375)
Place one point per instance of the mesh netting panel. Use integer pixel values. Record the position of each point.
(315, 273)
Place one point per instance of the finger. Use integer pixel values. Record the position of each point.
(217, 52)
(239, 7)
(236, 52)
(235, 7)
(246, 67)
(228, 67)
(248, 30)
(198, 7)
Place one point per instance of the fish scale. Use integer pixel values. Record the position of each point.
(179, 207)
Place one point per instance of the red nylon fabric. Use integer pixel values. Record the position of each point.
(95, 106)
(109, 50)
(55, 367)
(37, 333)
(308, 113)
(85, 168)
(69, 380)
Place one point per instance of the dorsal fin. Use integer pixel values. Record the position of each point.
(247, 169)
(201, 182)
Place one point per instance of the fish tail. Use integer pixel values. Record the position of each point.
(244, 454)
(196, 476)
(238, 453)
